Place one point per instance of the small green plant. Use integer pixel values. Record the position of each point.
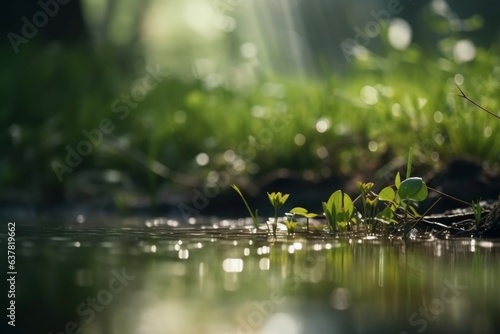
(291, 224)
(338, 210)
(304, 213)
(408, 193)
(254, 216)
(277, 200)
(369, 202)
(478, 212)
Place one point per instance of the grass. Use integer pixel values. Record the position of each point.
(369, 115)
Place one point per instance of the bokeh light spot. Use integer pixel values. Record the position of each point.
(369, 95)
(464, 51)
(438, 117)
(399, 34)
(299, 139)
(202, 159)
(248, 50)
(322, 125)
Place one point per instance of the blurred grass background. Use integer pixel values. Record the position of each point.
(234, 66)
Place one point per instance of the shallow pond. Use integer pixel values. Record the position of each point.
(216, 278)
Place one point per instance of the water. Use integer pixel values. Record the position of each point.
(156, 277)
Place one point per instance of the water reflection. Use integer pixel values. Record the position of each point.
(227, 280)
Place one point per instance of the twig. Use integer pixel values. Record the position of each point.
(449, 196)
(426, 212)
(462, 94)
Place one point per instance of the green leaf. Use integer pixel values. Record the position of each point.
(311, 215)
(335, 201)
(386, 213)
(387, 194)
(348, 205)
(299, 211)
(387, 216)
(235, 187)
(330, 215)
(340, 205)
(397, 180)
(413, 188)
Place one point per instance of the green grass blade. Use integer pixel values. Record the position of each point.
(254, 217)
(408, 165)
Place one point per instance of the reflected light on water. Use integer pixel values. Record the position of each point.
(340, 299)
(437, 251)
(486, 244)
(264, 263)
(371, 285)
(202, 270)
(232, 265)
(178, 269)
(281, 323)
(183, 254)
(263, 250)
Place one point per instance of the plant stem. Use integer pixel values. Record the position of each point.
(275, 224)
(462, 94)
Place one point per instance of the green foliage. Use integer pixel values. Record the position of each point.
(338, 210)
(413, 188)
(408, 192)
(387, 194)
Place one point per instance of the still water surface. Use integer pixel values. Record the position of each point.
(160, 277)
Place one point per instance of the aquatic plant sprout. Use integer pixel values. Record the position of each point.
(277, 200)
(304, 213)
(338, 210)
